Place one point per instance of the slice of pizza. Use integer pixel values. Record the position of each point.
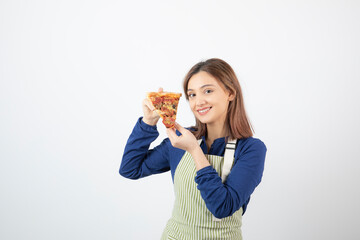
(165, 104)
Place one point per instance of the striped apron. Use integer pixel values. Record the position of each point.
(190, 217)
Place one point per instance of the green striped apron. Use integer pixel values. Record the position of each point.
(190, 217)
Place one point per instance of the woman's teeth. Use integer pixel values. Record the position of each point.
(204, 110)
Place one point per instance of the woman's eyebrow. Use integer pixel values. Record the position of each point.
(203, 86)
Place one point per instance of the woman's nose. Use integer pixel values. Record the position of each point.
(200, 101)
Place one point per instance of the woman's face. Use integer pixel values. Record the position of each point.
(208, 100)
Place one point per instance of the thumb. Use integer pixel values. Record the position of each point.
(148, 103)
(171, 134)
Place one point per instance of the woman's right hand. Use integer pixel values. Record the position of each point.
(151, 117)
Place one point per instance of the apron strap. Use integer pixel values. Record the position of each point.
(228, 162)
(228, 159)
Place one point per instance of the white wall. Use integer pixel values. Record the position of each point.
(72, 78)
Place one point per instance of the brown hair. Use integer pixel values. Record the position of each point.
(238, 124)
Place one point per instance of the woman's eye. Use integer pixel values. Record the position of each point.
(191, 95)
(208, 91)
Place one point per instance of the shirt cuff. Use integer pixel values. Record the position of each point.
(146, 127)
(204, 171)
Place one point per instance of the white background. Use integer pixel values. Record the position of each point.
(72, 78)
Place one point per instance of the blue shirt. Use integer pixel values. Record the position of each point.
(222, 199)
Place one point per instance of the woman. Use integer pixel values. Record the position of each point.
(209, 201)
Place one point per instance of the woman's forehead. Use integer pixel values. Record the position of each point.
(200, 80)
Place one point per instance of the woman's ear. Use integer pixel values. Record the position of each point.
(232, 96)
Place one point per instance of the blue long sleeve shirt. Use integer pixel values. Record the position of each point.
(222, 199)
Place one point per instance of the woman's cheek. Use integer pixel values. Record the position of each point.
(192, 106)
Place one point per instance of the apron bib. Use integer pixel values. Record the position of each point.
(190, 217)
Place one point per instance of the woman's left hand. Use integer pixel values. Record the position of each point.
(186, 141)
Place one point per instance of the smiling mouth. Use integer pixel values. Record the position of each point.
(204, 110)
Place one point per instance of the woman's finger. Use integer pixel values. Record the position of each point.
(180, 128)
(171, 134)
(149, 104)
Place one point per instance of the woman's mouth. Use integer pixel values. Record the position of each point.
(203, 111)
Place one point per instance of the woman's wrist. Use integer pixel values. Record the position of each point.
(199, 157)
(149, 121)
(194, 149)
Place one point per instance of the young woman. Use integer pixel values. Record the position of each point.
(215, 165)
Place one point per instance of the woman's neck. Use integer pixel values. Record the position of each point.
(214, 132)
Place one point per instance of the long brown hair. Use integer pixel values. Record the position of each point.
(238, 123)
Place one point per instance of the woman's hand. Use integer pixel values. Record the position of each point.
(150, 115)
(186, 141)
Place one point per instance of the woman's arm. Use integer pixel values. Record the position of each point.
(187, 141)
(223, 199)
(138, 161)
